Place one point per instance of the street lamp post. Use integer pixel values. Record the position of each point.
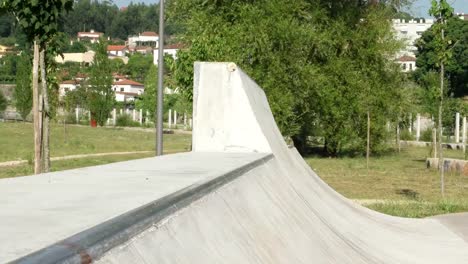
(160, 94)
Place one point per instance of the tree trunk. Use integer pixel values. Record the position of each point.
(36, 114)
(398, 142)
(45, 115)
(368, 140)
(441, 157)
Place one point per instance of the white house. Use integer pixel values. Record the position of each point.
(127, 90)
(462, 16)
(408, 63)
(169, 49)
(145, 39)
(410, 31)
(117, 50)
(67, 86)
(85, 58)
(91, 36)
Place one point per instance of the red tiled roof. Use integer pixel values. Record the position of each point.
(128, 82)
(118, 76)
(175, 46)
(81, 75)
(69, 82)
(116, 47)
(149, 34)
(406, 58)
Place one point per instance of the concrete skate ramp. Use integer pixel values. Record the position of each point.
(274, 210)
(280, 211)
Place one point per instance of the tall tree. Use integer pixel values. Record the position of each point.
(101, 97)
(456, 66)
(323, 64)
(441, 10)
(23, 91)
(39, 23)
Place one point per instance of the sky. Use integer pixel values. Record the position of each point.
(420, 7)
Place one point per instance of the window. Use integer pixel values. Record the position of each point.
(404, 32)
(122, 89)
(404, 66)
(411, 66)
(419, 33)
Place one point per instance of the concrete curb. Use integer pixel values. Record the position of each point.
(91, 244)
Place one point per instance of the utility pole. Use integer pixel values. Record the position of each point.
(160, 94)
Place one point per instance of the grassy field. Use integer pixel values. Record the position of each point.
(396, 184)
(16, 143)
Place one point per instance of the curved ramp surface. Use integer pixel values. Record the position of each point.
(252, 200)
(281, 211)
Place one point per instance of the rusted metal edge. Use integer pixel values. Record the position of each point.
(93, 243)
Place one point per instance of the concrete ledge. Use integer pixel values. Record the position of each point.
(458, 146)
(91, 244)
(451, 165)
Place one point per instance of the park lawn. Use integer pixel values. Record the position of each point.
(396, 184)
(27, 169)
(16, 141)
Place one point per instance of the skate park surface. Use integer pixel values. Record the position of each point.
(241, 196)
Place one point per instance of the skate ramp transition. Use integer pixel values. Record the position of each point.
(241, 196)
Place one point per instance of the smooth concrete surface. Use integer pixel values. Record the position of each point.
(37, 211)
(281, 211)
(458, 223)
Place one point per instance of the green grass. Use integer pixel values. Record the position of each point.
(59, 165)
(396, 183)
(399, 183)
(16, 143)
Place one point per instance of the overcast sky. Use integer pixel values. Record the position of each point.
(420, 7)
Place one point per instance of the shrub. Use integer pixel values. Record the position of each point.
(126, 121)
(426, 135)
(406, 135)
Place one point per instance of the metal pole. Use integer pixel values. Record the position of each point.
(159, 114)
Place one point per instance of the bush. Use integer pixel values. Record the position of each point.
(70, 118)
(126, 121)
(406, 135)
(426, 135)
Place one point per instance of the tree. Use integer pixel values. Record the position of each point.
(456, 66)
(324, 65)
(138, 65)
(39, 22)
(441, 10)
(23, 91)
(101, 97)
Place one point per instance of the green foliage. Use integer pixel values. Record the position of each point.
(147, 100)
(126, 121)
(8, 64)
(426, 135)
(100, 96)
(322, 64)
(3, 102)
(138, 65)
(75, 47)
(23, 90)
(455, 58)
(38, 20)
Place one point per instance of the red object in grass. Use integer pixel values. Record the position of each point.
(93, 123)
